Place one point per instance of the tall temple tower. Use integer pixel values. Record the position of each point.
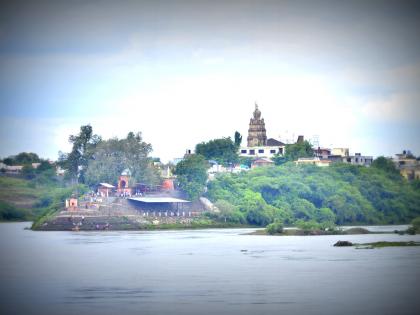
(256, 132)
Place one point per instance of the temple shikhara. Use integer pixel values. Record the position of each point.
(257, 143)
(256, 133)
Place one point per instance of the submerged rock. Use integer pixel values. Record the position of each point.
(343, 243)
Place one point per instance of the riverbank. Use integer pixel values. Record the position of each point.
(125, 220)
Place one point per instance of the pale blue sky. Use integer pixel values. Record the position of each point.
(187, 71)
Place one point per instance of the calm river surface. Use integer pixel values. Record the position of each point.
(203, 272)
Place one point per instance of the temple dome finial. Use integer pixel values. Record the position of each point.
(257, 112)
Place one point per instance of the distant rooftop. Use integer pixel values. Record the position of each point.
(106, 185)
(158, 199)
(273, 142)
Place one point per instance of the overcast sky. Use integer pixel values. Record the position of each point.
(182, 72)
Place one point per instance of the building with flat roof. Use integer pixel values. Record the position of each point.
(358, 159)
(313, 161)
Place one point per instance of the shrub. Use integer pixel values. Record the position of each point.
(275, 228)
(416, 225)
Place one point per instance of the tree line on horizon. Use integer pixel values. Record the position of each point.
(339, 194)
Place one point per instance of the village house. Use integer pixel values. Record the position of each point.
(342, 155)
(259, 162)
(313, 161)
(358, 159)
(322, 153)
(340, 152)
(408, 165)
(11, 169)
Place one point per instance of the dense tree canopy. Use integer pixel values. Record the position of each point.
(93, 160)
(223, 150)
(295, 151)
(113, 156)
(340, 194)
(76, 162)
(23, 158)
(386, 165)
(192, 175)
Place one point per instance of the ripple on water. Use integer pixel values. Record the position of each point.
(88, 294)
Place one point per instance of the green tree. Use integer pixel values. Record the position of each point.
(76, 161)
(222, 150)
(23, 158)
(258, 217)
(279, 159)
(274, 228)
(238, 139)
(28, 172)
(386, 165)
(298, 150)
(9, 212)
(229, 212)
(339, 194)
(245, 161)
(416, 224)
(113, 156)
(192, 175)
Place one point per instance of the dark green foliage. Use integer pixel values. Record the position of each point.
(279, 159)
(113, 156)
(298, 150)
(9, 212)
(339, 194)
(23, 199)
(76, 162)
(223, 150)
(274, 228)
(228, 213)
(53, 200)
(44, 173)
(293, 152)
(238, 139)
(385, 165)
(192, 175)
(416, 225)
(22, 158)
(245, 161)
(258, 217)
(416, 184)
(28, 172)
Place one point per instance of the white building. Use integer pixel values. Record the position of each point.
(272, 148)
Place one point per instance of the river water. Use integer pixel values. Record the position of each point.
(203, 272)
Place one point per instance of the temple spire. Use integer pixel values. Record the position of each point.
(256, 132)
(257, 112)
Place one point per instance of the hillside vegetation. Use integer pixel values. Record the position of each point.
(339, 194)
(29, 199)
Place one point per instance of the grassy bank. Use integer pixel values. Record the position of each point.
(28, 200)
(18, 199)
